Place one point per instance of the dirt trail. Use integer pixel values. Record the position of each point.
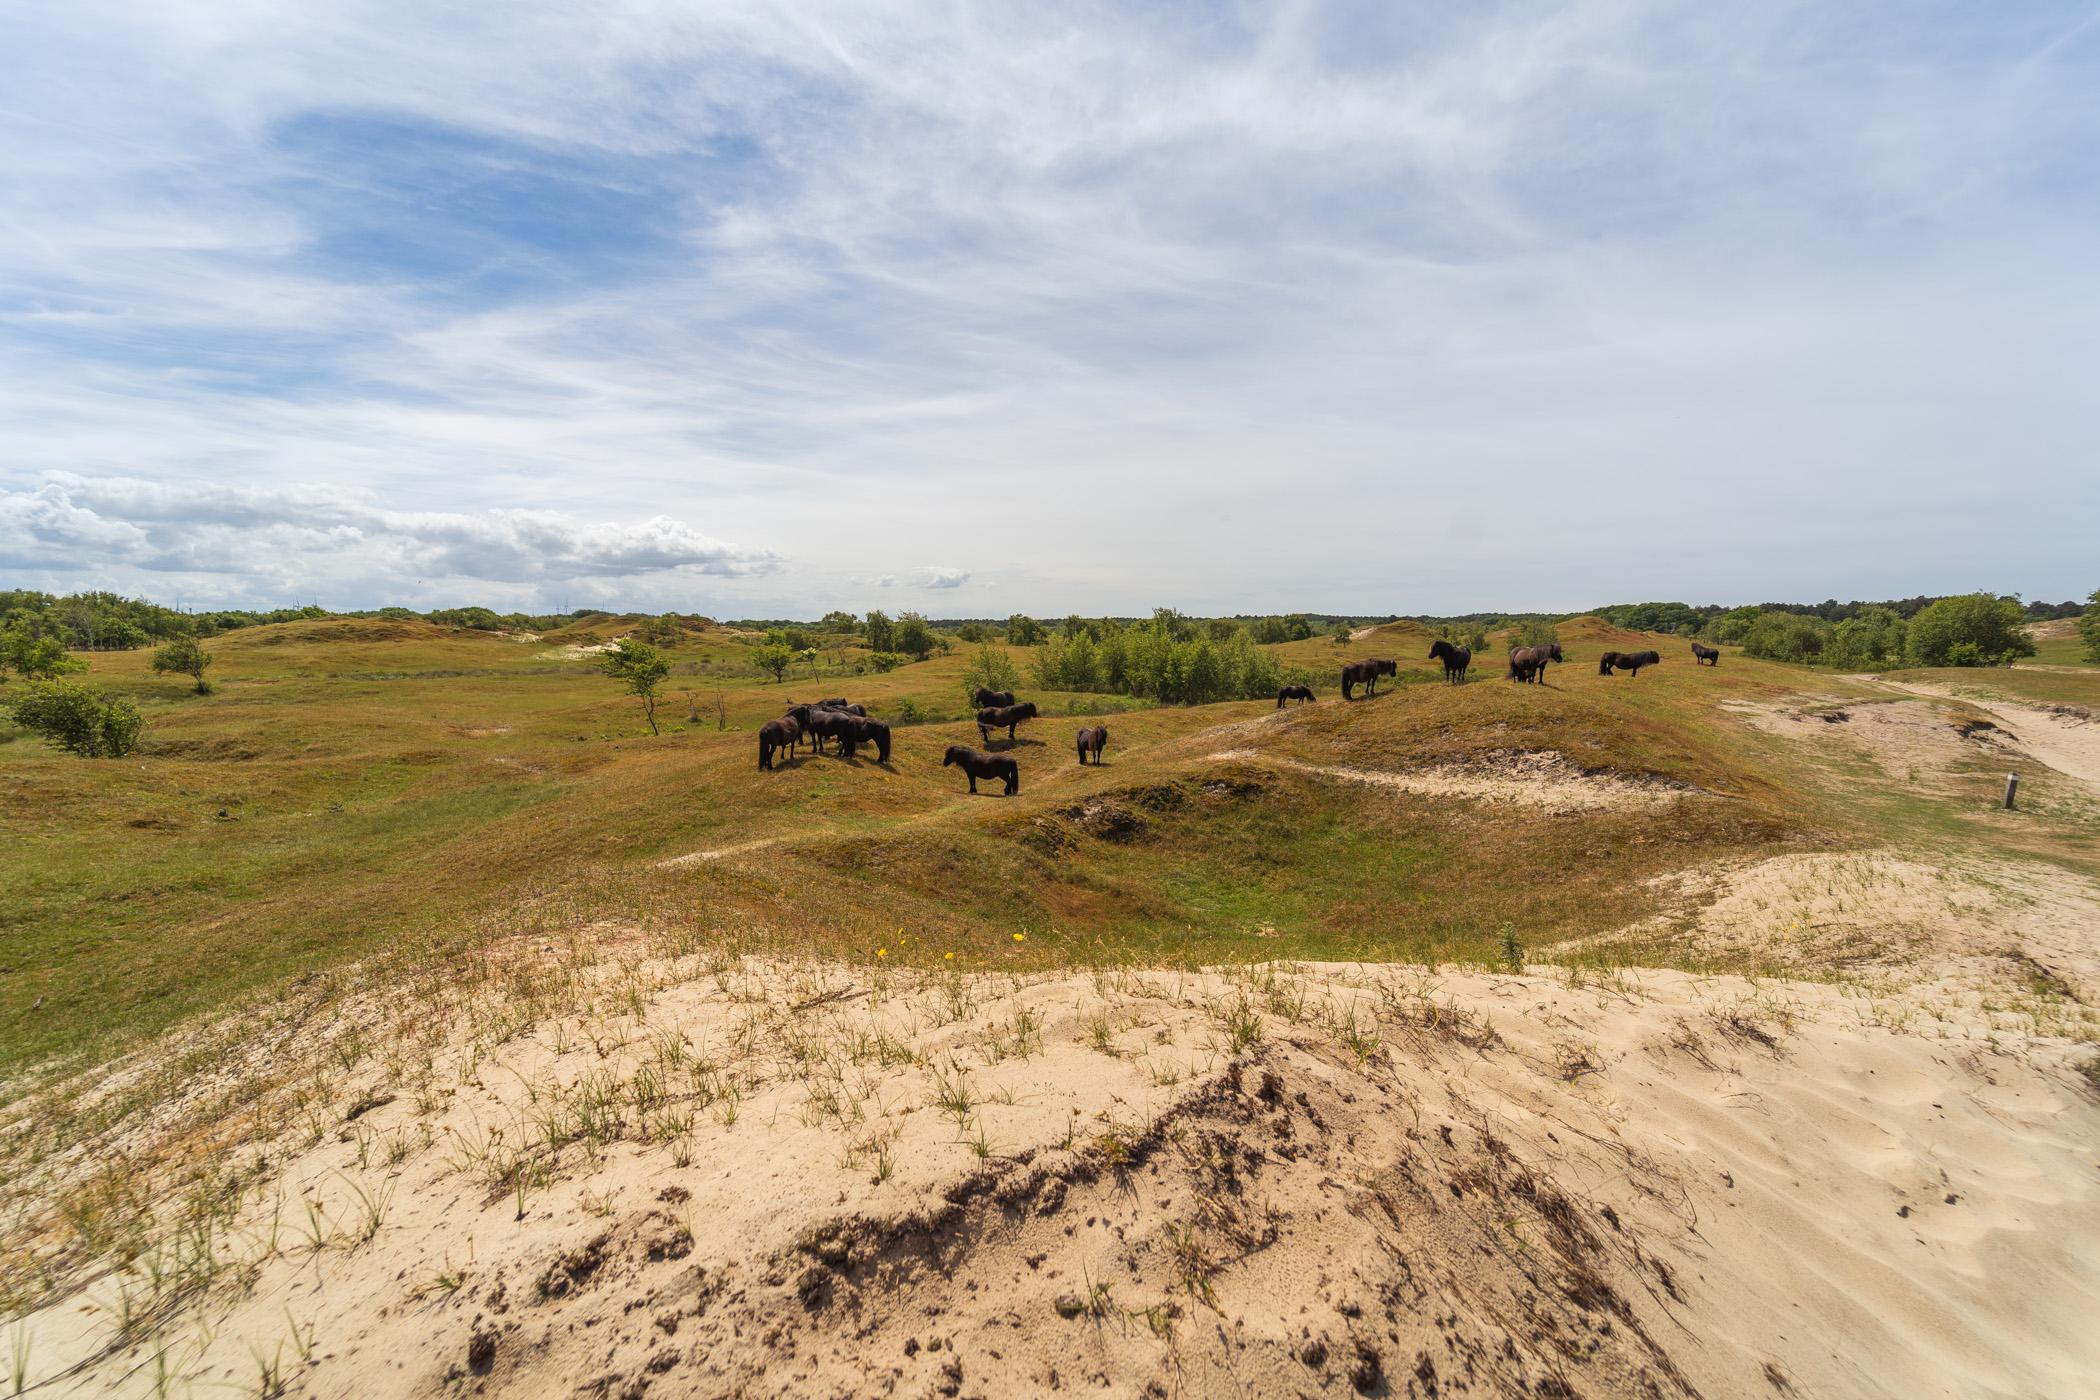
(720, 852)
(2060, 737)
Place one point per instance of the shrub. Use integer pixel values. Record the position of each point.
(2089, 627)
(1535, 632)
(1786, 636)
(885, 660)
(1975, 629)
(881, 632)
(913, 637)
(990, 667)
(1024, 631)
(36, 658)
(184, 657)
(774, 658)
(78, 719)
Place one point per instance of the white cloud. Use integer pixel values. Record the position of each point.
(1318, 306)
(302, 539)
(935, 576)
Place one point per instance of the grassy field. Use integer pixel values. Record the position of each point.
(358, 788)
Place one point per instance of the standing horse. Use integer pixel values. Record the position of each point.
(1366, 673)
(1628, 661)
(1293, 692)
(1092, 741)
(984, 765)
(860, 729)
(776, 734)
(1705, 656)
(1004, 717)
(1529, 663)
(985, 699)
(1457, 659)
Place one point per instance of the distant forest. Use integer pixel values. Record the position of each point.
(1860, 632)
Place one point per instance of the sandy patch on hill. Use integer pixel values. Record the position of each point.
(578, 651)
(1905, 738)
(719, 852)
(2063, 737)
(795, 1180)
(1541, 779)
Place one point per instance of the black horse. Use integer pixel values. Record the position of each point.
(821, 722)
(1293, 692)
(984, 765)
(1529, 663)
(1004, 717)
(1366, 673)
(860, 729)
(1705, 656)
(985, 699)
(1627, 661)
(776, 734)
(1092, 741)
(1457, 660)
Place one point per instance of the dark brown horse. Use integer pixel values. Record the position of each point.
(1529, 663)
(984, 765)
(776, 734)
(1628, 661)
(1004, 717)
(862, 730)
(821, 722)
(1293, 692)
(1705, 656)
(1457, 660)
(1366, 673)
(1092, 741)
(985, 699)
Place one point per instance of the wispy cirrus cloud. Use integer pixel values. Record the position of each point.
(1282, 308)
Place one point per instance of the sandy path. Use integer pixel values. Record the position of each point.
(1544, 780)
(2068, 743)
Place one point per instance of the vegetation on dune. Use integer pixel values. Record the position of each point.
(1976, 629)
(640, 668)
(2089, 627)
(185, 656)
(79, 718)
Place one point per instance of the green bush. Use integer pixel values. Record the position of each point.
(1786, 636)
(884, 661)
(1975, 629)
(2089, 627)
(78, 719)
(183, 657)
(913, 636)
(990, 667)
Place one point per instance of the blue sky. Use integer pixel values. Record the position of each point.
(975, 309)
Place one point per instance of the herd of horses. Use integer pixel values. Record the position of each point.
(851, 727)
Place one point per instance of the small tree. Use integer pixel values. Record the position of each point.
(1024, 631)
(884, 661)
(881, 632)
(1340, 633)
(774, 657)
(184, 657)
(78, 719)
(836, 621)
(641, 668)
(914, 637)
(35, 658)
(2089, 626)
(990, 667)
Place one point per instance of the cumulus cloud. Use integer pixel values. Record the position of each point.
(938, 576)
(286, 537)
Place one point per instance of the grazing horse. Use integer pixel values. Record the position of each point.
(1293, 692)
(1366, 673)
(984, 765)
(859, 729)
(1529, 663)
(1705, 656)
(821, 722)
(1004, 717)
(776, 734)
(1457, 660)
(1092, 741)
(985, 699)
(1628, 661)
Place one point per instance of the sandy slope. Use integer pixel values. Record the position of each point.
(1324, 1180)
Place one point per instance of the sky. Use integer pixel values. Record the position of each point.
(970, 309)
